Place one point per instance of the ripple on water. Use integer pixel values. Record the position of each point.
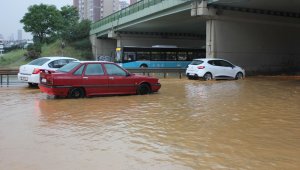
(250, 124)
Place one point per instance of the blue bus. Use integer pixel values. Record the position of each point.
(157, 57)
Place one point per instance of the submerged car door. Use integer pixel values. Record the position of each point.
(216, 68)
(119, 81)
(228, 69)
(94, 80)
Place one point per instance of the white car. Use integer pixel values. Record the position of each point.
(214, 68)
(30, 72)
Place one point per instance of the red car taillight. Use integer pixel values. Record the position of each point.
(201, 67)
(36, 71)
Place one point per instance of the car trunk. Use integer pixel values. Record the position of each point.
(192, 67)
(46, 77)
(27, 69)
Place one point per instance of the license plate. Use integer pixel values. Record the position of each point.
(24, 78)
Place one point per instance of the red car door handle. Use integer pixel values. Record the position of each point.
(111, 78)
(85, 78)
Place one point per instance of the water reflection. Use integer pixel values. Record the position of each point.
(250, 124)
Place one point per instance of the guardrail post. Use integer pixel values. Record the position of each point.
(7, 80)
(1, 80)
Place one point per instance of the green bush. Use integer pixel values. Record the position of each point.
(83, 44)
(34, 51)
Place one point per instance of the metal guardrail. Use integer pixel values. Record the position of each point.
(132, 9)
(164, 71)
(5, 74)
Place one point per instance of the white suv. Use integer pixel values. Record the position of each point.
(214, 69)
(30, 72)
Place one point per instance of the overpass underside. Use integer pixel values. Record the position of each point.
(262, 37)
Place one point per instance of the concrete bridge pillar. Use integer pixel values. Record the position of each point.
(259, 42)
(210, 39)
(200, 9)
(103, 47)
(119, 42)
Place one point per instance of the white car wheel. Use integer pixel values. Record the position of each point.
(207, 76)
(239, 76)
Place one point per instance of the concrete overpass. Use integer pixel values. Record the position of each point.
(261, 35)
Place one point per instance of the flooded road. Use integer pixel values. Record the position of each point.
(248, 124)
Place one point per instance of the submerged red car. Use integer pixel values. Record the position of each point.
(88, 78)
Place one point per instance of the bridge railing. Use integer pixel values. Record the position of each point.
(138, 6)
(134, 8)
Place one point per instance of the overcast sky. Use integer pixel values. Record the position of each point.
(12, 11)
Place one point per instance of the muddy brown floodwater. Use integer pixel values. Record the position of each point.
(248, 124)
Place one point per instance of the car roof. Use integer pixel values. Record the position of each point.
(94, 61)
(58, 57)
(208, 59)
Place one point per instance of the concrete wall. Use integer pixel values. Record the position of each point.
(103, 47)
(149, 41)
(259, 43)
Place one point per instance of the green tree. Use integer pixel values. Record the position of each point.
(47, 24)
(70, 19)
(79, 31)
(34, 51)
(78, 37)
(43, 21)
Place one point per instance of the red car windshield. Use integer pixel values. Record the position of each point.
(68, 67)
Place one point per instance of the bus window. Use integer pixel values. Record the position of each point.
(171, 56)
(182, 56)
(143, 55)
(200, 54)
(192, 55)
(158, 56)
(129, 56)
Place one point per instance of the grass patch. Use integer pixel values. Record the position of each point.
(55, 49)
(15, 58)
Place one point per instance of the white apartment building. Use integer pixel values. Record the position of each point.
(1, 45)
(123, 4)
(95, 10)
